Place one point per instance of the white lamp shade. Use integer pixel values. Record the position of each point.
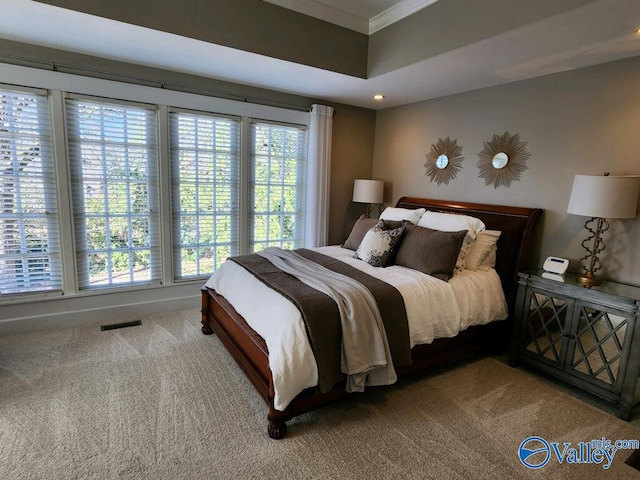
(604, 196)
(368, 191)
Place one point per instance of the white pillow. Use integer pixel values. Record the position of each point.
(480, 250)
(378, 246)
(489, 262)
(451, 222)
(399, 214)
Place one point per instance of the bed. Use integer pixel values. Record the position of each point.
(250, 350)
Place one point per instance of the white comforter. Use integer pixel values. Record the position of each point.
(434, 308)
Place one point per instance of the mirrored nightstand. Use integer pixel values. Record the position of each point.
(587, 337)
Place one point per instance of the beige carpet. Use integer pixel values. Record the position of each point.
(163, 401)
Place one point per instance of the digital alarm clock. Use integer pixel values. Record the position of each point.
(556, 265)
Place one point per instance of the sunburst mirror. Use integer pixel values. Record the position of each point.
(444, 160)
(503, 159)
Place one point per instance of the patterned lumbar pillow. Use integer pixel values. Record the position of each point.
(378, 246)
(362, 226)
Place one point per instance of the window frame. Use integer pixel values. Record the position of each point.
(59, 85)
(234, 242)
(50, 214)
(297, 241)
(77, 179)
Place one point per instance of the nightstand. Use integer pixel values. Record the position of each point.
(586, 337)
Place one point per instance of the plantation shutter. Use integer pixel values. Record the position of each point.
(29, 236)
(277, 186)
(114, 174)
(205, 185)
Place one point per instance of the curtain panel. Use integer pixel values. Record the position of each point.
(318, 176)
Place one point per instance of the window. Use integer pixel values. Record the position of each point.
(114, 175)
(277, 186)
(29, 240)
(102, 194)
(205, 165)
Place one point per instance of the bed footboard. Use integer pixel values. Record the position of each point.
(204, 310)
(248, 350)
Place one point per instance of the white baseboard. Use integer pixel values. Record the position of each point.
(95, 310)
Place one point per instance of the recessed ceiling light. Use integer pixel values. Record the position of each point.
(638, 30)
(378, 96)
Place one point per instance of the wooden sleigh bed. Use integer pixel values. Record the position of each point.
(250, 351)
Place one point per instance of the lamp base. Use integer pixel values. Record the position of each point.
(369, 208)
(589, 279)
(596, 227)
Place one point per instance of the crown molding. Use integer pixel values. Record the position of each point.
(400, 10)
(319, 10)
(324, 12)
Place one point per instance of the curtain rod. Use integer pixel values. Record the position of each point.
(63, 68)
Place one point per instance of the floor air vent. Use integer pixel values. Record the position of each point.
(113, 326)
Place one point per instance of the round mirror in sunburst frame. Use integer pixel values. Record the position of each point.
(444, 160)
(503, 159)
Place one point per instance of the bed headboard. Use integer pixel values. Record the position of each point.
(515, 223)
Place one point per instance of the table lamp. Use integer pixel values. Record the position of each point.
(369, 192)
(600, 197)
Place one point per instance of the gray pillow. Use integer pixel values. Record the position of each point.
(362, 226)
(430, 251)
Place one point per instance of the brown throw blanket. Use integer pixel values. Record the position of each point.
(321, 315)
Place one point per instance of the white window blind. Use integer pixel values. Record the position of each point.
(205, 165)
(114, 174)
(277, 186)
(29, 237)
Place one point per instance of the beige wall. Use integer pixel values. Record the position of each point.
(585, 121)
(252, 25)
(352, 153)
